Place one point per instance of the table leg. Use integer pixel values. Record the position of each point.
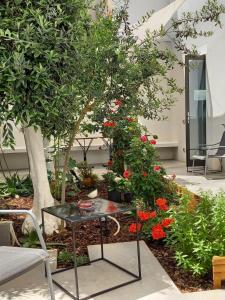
(138, 247)
(75, 262)
(101, 231)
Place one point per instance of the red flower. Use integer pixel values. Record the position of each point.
(143, 138)
(133, 227)
(109, 124)
(166, 222)
(110, 163)
(111, 207)
(126, 174)
(130, 119)
(161, 202)
(145, 174)
(118, 102)
(152, 142)
(157, 168)
(145, 216)
(164, 207)
(158, 232)
(152, 214)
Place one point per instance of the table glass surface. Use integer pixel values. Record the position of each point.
(72, 213)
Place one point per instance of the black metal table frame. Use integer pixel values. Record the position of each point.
(77, 297)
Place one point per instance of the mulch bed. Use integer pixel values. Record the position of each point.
(88, 233)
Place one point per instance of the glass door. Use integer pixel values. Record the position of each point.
(195, 106)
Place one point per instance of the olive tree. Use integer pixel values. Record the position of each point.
(37, 68)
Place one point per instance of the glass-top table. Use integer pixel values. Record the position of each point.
(101, 210)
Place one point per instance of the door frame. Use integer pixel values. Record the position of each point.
(189, 162)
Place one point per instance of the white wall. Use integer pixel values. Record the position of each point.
(213, 47)
(138, 8)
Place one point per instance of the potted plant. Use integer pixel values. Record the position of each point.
(118, 187)
(113, 193)
(31, 240)
(88, 179)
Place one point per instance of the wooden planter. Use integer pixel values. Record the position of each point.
(218, 263)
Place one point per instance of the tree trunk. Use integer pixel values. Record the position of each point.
(75, 130)
(42, 194)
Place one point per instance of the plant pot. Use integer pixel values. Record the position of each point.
(127, 197)
(5, 238)
(114, 196)
(53, 253)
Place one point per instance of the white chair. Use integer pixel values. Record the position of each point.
(15, 261)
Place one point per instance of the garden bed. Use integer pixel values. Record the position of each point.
(185, 281)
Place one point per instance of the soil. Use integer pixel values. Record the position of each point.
(88, 234)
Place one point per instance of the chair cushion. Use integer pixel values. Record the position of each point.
(15, 261)
(198, 157)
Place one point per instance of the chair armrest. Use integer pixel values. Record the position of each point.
(206, 145)
(34, 220)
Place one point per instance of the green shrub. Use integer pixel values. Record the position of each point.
(198, 232)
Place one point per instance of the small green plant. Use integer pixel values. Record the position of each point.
(198, 232)
(66, 257)
(31, 240)
(4, 192)
(15, 185)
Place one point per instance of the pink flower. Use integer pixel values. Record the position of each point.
(157, 168)
(144, 138)
(152, 142)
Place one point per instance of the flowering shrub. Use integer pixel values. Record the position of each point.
(145, 174)
(155, 223)
(198, 232)
(121, 129)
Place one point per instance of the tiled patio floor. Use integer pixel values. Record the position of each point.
(194, 182)
(155, 283)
